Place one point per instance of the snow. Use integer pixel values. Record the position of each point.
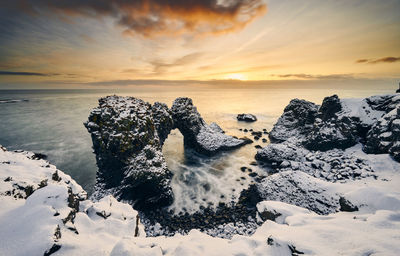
(28, 225)
(360, 108)
(43, 208)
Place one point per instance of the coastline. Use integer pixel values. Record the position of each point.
(281, 227)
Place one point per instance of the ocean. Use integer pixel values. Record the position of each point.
(51, 122)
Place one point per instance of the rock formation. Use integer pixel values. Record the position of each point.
(246, 117)
(384, 136)
(127, 135)
(296, 121)
(337, 124)
(204, 138)
(300, 189)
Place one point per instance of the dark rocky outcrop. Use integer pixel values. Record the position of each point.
(205, 139)
(332, 130)
(246, 117)
(384, 136)
(163, 121)
(337, 124)
(296, 120)
(127, 135)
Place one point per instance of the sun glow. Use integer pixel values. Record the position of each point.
(236, 77)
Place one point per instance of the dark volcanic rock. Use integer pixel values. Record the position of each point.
(384, 136)
(346, 205)
(127, 145)
(246, 117)
(204, 138)
(296, 120)
(163, 121)
(332, 130)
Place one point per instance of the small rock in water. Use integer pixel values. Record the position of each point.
(246, 117)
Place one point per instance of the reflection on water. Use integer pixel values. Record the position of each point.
(51, 122)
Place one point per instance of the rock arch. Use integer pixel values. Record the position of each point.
(128, 135)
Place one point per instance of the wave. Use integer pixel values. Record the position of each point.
(12, 100)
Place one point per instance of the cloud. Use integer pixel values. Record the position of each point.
(318, 77)
(381, 60)
(161, 67)
(10, 73)
(23, 73)
(157, 17)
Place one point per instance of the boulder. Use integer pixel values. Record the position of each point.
(384, 136)
(246, 117)
(332, 130)
(205, 139)
(127, 135)
(300, 189)
(296, 120)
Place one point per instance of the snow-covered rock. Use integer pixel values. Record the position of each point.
(301, 189)
(296, 121)
(197, 133)
(384, 136)
(246, 117)
(44, 211)
(127, 135)
(332, 165)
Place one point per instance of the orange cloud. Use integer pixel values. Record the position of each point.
(159, 17)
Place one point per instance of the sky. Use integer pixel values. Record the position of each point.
(100, 43)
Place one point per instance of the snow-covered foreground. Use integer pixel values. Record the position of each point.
(50, 219)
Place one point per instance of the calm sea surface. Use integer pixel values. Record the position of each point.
(51, 122)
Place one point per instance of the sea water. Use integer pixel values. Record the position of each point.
(51, 122)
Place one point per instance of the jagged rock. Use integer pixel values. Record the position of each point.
(197, 133)
(384, 136)
(385, 103)
(126, 141)
(246, 117)
(163, 121)
(332, 130)
(296, 120)
(300, 189)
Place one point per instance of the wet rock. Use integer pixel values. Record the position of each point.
(198, 135)
(246, 117)
(127, 145)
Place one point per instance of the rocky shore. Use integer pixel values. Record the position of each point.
(330, 169)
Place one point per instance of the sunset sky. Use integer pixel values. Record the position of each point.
(86, 43)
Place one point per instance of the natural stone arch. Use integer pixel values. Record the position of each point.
(128, 135)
